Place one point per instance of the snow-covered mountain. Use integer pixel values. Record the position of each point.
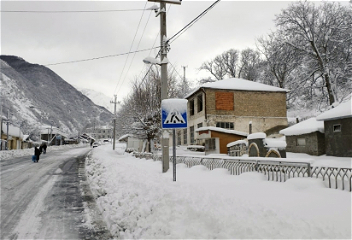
(98, 98)
(34, 96)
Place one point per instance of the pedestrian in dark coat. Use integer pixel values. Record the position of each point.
(37, 152)
(43, 147)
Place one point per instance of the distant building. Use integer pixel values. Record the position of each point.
(133, 144)
(53, 136)
(104, 132)
(338, 130)
(15, 137)
(305, 137)
(231, 104)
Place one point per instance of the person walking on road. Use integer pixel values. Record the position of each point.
(43, 147)
(37, 152)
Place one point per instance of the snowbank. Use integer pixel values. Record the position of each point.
(138, 201)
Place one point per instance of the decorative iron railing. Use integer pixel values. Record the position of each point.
(338, 178)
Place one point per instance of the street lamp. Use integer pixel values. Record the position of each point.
(165, 135)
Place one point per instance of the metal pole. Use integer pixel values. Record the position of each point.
(7, 137)
(164, 87)
(174, 154)
(114, 131)
(51, 130)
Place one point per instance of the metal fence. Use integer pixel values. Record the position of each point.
(280, 171)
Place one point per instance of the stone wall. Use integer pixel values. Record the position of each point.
(338, 143)
(315, 144)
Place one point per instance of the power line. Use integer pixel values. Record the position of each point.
(96, 58)
(130, 49)
(135, 53)
(73, 11)
(192, 22)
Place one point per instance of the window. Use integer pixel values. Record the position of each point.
(301, 141)
(191, 129)
(185, 136)
(210, 144)
(200, 102)
(226, 125)
(179, 137)
(337, 128)
(191, 107)
(199, 125)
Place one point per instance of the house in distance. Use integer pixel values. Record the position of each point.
(338, 130)
(305, 137)
(231, 104)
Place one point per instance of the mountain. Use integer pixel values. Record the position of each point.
(98, 98)
(33, 96)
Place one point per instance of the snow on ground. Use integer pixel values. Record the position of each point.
(138, 201)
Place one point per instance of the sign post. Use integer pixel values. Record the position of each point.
(173, 116)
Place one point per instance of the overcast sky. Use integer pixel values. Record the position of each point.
(49, 38)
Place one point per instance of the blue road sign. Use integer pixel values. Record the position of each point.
(174, 113)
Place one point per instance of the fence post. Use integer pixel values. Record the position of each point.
(309, 171)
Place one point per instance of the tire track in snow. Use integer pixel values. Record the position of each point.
(29, 223)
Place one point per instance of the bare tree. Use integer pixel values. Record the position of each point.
(222, 65)
(323, 34)
(249, 64)
(140, 113)
(281, 60)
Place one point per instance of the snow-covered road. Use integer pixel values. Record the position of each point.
(44, 200)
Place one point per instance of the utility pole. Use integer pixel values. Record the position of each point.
(163, 64)
(114, 121)
(7, 130)
(51, 131)
(184, 80)
(164, 87)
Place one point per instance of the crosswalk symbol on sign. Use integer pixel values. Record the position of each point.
(174, 117)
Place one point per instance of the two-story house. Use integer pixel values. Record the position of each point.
(232, 104)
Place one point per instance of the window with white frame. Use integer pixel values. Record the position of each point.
(226, 125)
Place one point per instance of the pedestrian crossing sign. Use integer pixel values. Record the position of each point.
(174, 113)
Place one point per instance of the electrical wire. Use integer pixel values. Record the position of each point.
(96, 58)
(73, 11)
(135, 52)
(179, 33)
(130, 49)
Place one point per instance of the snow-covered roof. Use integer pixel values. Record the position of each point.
(13, 130)
(223, 130)
(123, 137)
(258, 135)
(341, 111)
(237, 143)
(239, 84)
(308, 126)
(274, 143)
